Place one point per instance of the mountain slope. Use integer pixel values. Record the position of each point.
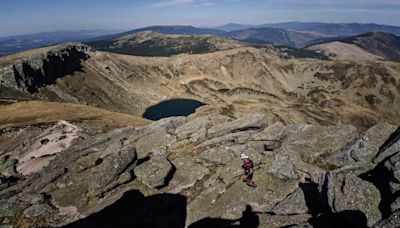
(274, 35)
(373, 45)
(231, 83)
(232, 27)
(157, 44)
(167, 30)
(333, 29)
(343, 51)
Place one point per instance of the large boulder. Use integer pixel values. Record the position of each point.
(249, 122)
(195, 129)
(154, 172)
(347, 192)
(188, 172)
(283, 168)
(365, 148)
(311, 143)
(154, 144)
(294, 203)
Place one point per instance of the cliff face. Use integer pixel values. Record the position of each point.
(182, 171)
(43, 67)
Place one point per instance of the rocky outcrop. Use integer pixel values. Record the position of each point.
(193, 164)
(44, 66)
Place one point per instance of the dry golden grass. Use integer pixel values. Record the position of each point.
(37, 112)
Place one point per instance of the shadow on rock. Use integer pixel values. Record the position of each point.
(135, 210)
(248, 220)
(353, 219)
(317, 204)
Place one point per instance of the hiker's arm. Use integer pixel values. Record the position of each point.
(250, 172)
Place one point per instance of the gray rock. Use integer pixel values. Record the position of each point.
(167, 124)
(349, 192)
(187, 174)
(196, 129)
(230, 139)
(217, 156)
(395, 205)
(153, 172)
(283, 168)
(154, 144)
(37, 210)
(310, 143)
(365, 148)
(392, 221)
(253, 121)
(300, 220)
(294, 203)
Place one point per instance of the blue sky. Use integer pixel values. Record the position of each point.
(31, 16)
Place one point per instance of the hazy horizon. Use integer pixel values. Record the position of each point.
(20, 17)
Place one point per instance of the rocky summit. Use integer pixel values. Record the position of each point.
(185, 172)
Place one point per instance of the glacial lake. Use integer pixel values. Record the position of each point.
(173, 107)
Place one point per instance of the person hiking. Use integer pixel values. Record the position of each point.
(248, 170)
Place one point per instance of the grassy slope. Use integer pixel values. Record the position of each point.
(37, 112)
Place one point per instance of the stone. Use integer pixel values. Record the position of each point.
(154, 144)
(348, 192)
(395, 205)
(192, 128)
(217, 156)
(37, 210)
(109, 170)
(234, 138)
(294, 203)
(153, 172)
(310, 143)
(283, 168)
(300, 220)
(365, 148)
(249, 122)
(188, 172)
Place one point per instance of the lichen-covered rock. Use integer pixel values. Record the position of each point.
(283, 168)
(188, 172)
(154, 144)
(294, 203)
(153, 172)
(195, 129)
(365, 148)
(349, 192)
(219, 156)
(309, 143)
(252, 121)
(37, 210)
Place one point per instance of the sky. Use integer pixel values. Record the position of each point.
(33, 16)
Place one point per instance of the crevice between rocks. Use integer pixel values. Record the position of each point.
(393, 138)
(168, 178)
(381, 177)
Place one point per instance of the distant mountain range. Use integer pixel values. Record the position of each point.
(12, 44)
(289, 38)
(292, 34)
(327, 29)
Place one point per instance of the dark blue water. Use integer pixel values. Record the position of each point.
(174, 107)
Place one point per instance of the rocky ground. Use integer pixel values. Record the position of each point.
(185, 172)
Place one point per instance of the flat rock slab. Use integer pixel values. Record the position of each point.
(153, 172)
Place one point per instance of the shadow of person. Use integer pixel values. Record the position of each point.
(135, 210)
(248, 220)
